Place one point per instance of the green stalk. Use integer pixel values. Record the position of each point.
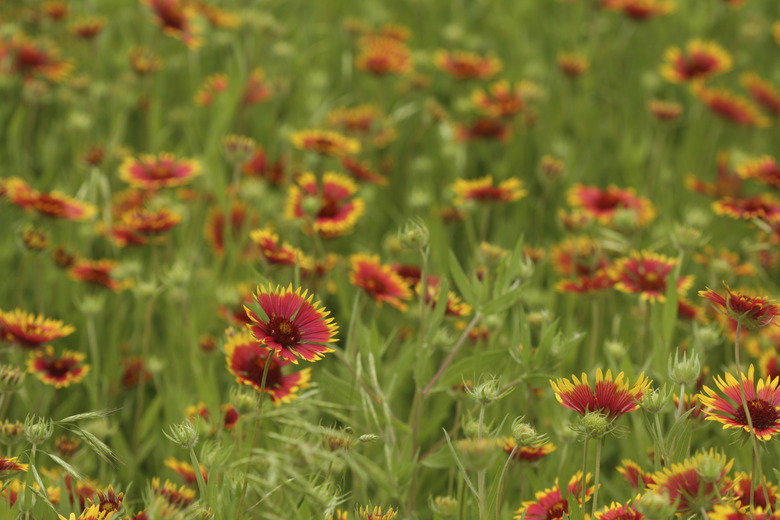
(597, 473)
(499, 498)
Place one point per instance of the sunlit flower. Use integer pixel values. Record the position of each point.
(57, 371)
(360, 170)
(764, 169)
(97, 272)
(762, 92)
(31, 331)
(247, 359)
(573, 64)
(381, 56)
(646, 273)
(608, 396)
(338, 211)
(144, 61)
(467, 65)
(31, 58)
(291, 325)
(482, 190)
(526, 453)
(500, 100)
(617, 511)
(155, 172)
(380, 281)
(665, 110)
(483, 128)
(553, 503)
(763, 404)
(730, 106)
(185, 470)
(727, 183)
(702, 60)
(751, 311)
(212, 86)
(50, 204)
(275, 251)
(325, 142)
(604, 204)
(175, 19)
(684, 485)
(634, 475)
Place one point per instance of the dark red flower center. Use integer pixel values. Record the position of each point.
(283, 331)
(160, 171)
(762, 413)
(253, 371)
(557, 510)
(329, 209)
(698, 65)
(607, 201)
(59, 368)
(652, 281)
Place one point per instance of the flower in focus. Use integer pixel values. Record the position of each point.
(751, 311)
(764, 169)
(728, 105)
(634, 475)
(382, 56)
(325, 142)
(762, 92)
(467, 65)
(608, 396)
(617, 511)
(30, 331)
(337, 211)
(50, 204)
(646, 273)
(604, 205)
(57, 371)
(247, 359)
(11, 464)
(380, 281)
(155, 172)
(683, 484)
(702, 60)
(291, 324)
(482, 190)
(763, 404)
(552, 503)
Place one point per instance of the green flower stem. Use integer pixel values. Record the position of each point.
(500, 487)
(198, 474)
(596, 475)
(473, 323)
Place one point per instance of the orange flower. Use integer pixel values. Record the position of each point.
(155, 172)
(617, 511)
(526, 453)
(727, 184)
(211, 87)
(276, 252)
(729, 106)
(28, 331)
(641, 10)
(360, 170)
(701, 61)
(325, 142)
(467, 65)
(764, 207)
(762, 92)
(57, 371)
(88, 28)
(381, 56)
(380, 281)
(482, 190)
(603, 205)
(144, 61)
(185, 470)
(573, 64)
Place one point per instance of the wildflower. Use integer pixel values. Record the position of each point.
(31, 59)
(526, 453)
(729, 106)
(66, 446)
(727, 184)
(144, 61)
(88, 28)
(641, 10)
(552, 504)
(702, 60)
(634, 475)
(665, 110)
(110, 502)
(97, 272)
(467, 65)
(455, 306)
(724, 262)
(750, 311)
(377, 513)
(617, 511)
(50, 204)
(500, 100)
(31, 331)
(260, 166)
(552, 168)
(360, 170)
(380, 281)
(733, 511)
(177, 496)
(231, 416)
(482, 190)
(211, 87)
(604, 205)
(339, 515)
(762, 92)
(611, 397)
(646, 273)
(233, 225)
(683, 485)
(325, 142)
(573, 64)
(382, 56)
(175, 19)
(484, 128)
(741, 491)
(336, 212)
(763, 403)
(155, 172)
(275, 251)
(56, 9)
(256, 90)
(360, 120)
(141, 221)
(292, 325)
(8, 464)
(764, 169)
(57, 371)
(185, 470)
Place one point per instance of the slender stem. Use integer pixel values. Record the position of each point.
(500, 486)
(94, 353)
(482, 495)
(756, 466)
(198, 474)
(583, 492)
(453, 353)
(681, 404)
(597, 473)
(139, 395)
(661, 451)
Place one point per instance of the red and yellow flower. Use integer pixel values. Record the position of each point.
(31, 59)
(641, 10)
(219, 226)
(50, 204)
(467, 65)
(646, 273)
(608, 396)
(733, 511)
(665, 110)
(247, 360)
(731, 107)
(764, 169)
(683, 484)
(604, 204)
(573, 64)
(155, 172)
(361, 171)
(275, 251)
(11, 464)
(526, 453)
(185, 470)
(291, 325)
(338, 210)
(256, 89)
(552, 503)
(762, 92)
(380, 281)
(635, 475)
(175, 19)
(212, 86)
(58, 371)
(763, 404)
(482, 190)
(751, 311)
(325, 142)
(31, 331)
(617, 511)
(382, 56)
(742, 491)
(483, 128)
(98, 272)
(700, 61)
(261, 166)
(727, 183)
(144, 61)
(500, 100)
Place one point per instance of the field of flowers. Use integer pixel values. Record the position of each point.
(293, 259)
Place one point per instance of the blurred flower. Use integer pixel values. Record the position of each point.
(608, 396)
(8, 464)
(155, 172)
(57, 371)
(185, 470)
(553, 503)
(256, 89)
(97, 272)
(134, 372)
(31, 331)
(50, 204)
(701, 61)
(728, 105)
(381, 56)
(604, 205)
(482, 190)
(467, 65)
(88, 28)
(762, 92)
(634, 475)
(727, 184)
(617, 511)
(526, 453)
(764, 169)
(483, 128)
(31, 59)
(742, 491)
(646, 273)
(276, 252)
(291, 325)
(641, 10)
(380, 281)
(325, 142)
(56, 9)
(361, 171)
(377, 513)
(500, 100)
(144, 61)
(234, 225)
(573, 64)
(665, 110)
(261, 167)
(175, 19)
(177, 496)
(210, 88)
(336, 210)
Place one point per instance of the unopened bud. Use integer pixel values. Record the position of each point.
(477, 454)
(38, 430)
(710, 468)
(414, 235)
(184, 434)
(488, 391)
(684, 371)
(706, 337)
(655, 400)
(595, 425)
(238, 148)
(11, 378)
(444, 506)
(11, 432)
(656, 506)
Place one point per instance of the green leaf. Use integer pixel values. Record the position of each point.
(67, 467)
(461, 280)
(503, 302)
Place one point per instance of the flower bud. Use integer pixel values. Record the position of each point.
(476, 454)
(656, 506)
(38, 431)
(238, 148)
(595, 425)
(684, 371)
(11, 378)
(488, 391)
(710, 468)
(444, 506)
(686, 238)
(243, 401)
(414, 235)
(655, 400)
(34, 239)
(11, 432)
(184, 434)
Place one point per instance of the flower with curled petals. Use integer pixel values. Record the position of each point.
(31, 331)
(731, 107)
(750, 311)
(612, 397)
(290, 324)
(161, 171)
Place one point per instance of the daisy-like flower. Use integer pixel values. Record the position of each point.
(230, 416)
(500, 100)
(212, 86)
(482, 190)
(109, 502)
(325, 142)
(256, 89)
(763, 404)
(291, 324)
(360, 170)
(683, 484)
(741, 490)
(750, 311)
(31, 58)
(762, 92)
(617, 511)
(646, 273)
(380, 281)
(177, 496)
(608, 396)
(634, 475)
(727, 183)
(260, 166)
(30, 331)
(338, 210)
(467, 65)
(275, 251)
(732, 511)
(641, 10)
(175, 19)
(185, 470)
(97, 272)
(150, 222)
(731, 107)
(50, 204)
(526, 453)
(665, 110)
(88, 28)
(11, 464)
(573, 64)
(552, 504)
(764, 169)
(361, 119)
(155, 172)
(144, 61)
(382, 56)
(57, 371)
(702, 60)
(604, 204)
(376, 513)
(483, 129)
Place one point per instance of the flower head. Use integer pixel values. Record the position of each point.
(482, 190)
(467, 65)
(484, 128)
(175, 19)
(617, 511)
(731, 107)
(762, 92)
(500, 100)
(31, 59)
(50, 204)
(751, 311)
(646, 273)
(526, 453)
(764, 169)
(553, 503)
(701, 61)
(57, 371)
(11, 464)
(683, 484)
(337, 211)
(634, 475)
(185, 470)
(156, 172)
(608, 396)
(31, 331)
(382, 56)
(291, 325)
(380, 281)
(604, 205)
(325, 142)
(97, 272)
(377, 513)
(664, 110)
(573, 64)
(763, 404)
(641, 10)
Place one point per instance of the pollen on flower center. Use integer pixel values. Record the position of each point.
(283, 331)
(557, 510)
(762, 414)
